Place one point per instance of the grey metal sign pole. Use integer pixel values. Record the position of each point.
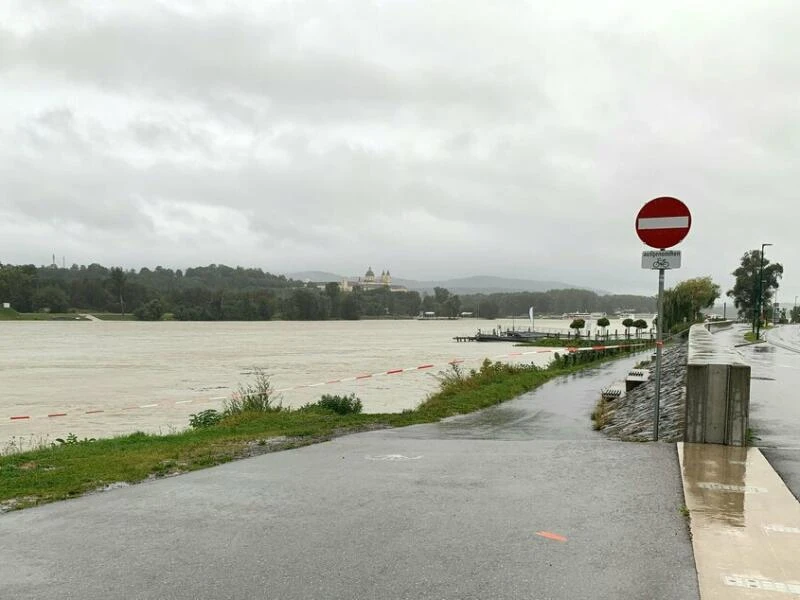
(662, 223)
(661, 260)
(659, 344)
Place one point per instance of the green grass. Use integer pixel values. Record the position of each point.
(9, 314)
(77, 467)
(112, 316)
(750, 437)
(583, 342)
(750, 336)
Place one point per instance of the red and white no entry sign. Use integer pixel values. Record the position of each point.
(663, 222)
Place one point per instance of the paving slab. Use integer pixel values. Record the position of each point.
(745, 523)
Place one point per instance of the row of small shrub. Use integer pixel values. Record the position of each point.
(261, 397)
(341, 405)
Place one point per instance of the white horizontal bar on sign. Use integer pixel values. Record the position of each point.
(663, 222)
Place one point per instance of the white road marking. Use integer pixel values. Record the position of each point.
(781, 529)
(726, 487)
(757, 583)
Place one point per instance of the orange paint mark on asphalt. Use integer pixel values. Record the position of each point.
(551, 536)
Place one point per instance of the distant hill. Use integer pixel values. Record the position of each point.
(479, 284)
(487, 284)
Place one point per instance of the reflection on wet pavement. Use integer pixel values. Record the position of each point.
(711, 467)
(745, 523)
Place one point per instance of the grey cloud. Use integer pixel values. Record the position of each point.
(211, 58)
(514, 138)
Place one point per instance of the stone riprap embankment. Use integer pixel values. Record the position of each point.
(631, 417)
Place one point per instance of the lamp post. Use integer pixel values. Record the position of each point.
(760, 292)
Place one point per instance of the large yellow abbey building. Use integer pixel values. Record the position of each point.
(370, 282)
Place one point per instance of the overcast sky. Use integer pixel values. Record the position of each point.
(434, 139)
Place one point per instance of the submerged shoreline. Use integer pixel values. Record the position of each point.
(78, 467)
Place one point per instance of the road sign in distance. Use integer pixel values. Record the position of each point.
(663, 222)
(661, 259)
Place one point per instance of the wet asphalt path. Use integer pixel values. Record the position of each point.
(775, 399)
(447, 511)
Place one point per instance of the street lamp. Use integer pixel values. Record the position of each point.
(760, 292)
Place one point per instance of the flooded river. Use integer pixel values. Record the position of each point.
(104, 378)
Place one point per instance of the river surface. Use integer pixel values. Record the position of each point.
(103, 378)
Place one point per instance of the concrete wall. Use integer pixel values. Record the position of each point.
(717, 392)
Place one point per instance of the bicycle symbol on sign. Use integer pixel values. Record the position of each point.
(661, 263)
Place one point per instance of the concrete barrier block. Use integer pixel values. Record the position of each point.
(717, 403)
(696, 393)
(738, 417)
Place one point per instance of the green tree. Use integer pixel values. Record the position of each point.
(441, 295)
(118, 279)
(684, 302)
(429, 304)
(151, 311)
(488, 309)
(627, 324)
(701, 292)
(745, 290)
(603, 322)
(17, 286)
(52, 298)
(577, 325)
(307, 304)
(452, 307)
(351, 307)
(639, 324)
(794, 314)
(334, 293)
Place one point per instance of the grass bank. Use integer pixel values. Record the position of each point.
(74, 467)
(9, 314)
(112, 316)
(564, 342)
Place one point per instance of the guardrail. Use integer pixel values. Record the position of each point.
(717, 391)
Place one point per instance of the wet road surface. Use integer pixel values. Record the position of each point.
(745, 523)
(775, 398)
(521, 501)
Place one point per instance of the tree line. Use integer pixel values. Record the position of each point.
(554, 302)
(210, 293)
(220, 292)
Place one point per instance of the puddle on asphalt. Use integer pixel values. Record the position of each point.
(726, 468)
(488, 423)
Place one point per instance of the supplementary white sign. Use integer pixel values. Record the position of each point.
(661, 259)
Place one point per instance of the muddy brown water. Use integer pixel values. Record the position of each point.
(110, 378)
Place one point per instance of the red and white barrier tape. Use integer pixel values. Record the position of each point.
(423, 367)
